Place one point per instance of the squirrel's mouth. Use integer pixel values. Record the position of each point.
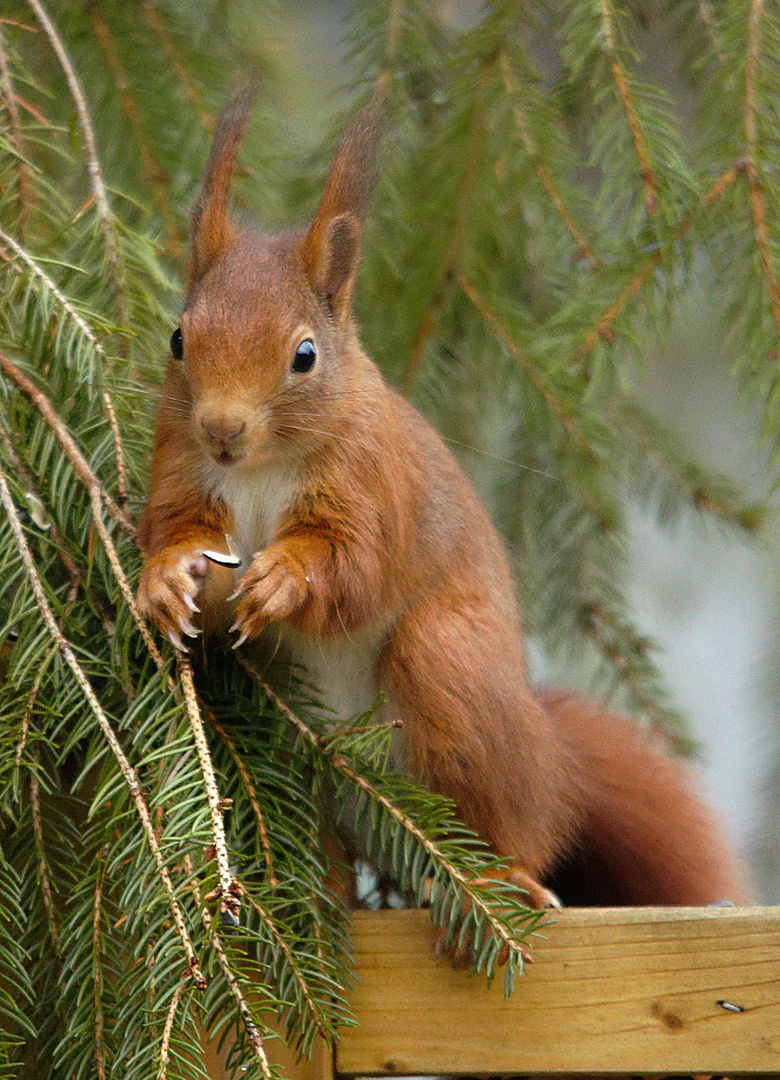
(224, 457)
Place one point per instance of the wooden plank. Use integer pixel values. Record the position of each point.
(632, 990)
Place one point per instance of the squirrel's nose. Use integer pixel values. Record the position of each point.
(222, 429)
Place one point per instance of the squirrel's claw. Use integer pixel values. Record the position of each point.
(273, 588)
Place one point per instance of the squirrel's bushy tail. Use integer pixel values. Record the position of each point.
(646, 837)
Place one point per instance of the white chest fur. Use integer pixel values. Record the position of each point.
(258, 501)
(343, 668)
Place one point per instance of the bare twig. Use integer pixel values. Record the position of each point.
(490, 317)
(23, 192)
(90, 151)
(130, 108)
(65, 439)
(602, 330)
(621, 81)
(43, 871)
(584, 250)
(96, 708)
(757, 199)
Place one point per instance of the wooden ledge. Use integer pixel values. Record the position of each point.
(623, 990)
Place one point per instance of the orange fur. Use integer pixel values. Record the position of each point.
(366, 544)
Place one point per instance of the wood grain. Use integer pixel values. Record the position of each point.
(632, 990)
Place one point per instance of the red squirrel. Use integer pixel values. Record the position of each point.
(365, 545)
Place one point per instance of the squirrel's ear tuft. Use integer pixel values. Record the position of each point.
(210, 229)
(331, 250)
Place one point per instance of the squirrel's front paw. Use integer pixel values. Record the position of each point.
(167, 589)
(273, 588)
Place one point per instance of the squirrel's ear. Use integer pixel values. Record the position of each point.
(331, 250)
(210, 228)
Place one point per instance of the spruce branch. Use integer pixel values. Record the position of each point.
(90, 150)
(621, 82)
(340, 764)
(251, 792)
(71, 567)
(156, 23)
(273, 930)
(97, 499)
(602, 330)
(463, 211)
(230, 895)
(252, 1030)
(24, 193)
(43, 869)
(706, 13)
(128, 773)
(165, 1042)
(84, 327)
(584, 250)
(757, 196)
(229, 889)
(97, 972)
(151, 169)
(567, 422)
(30, 708)
(65, 439)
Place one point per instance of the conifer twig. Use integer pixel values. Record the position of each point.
(97, 972)
(342, 766)
(253, 1034)
(230, 893)
(43, 870)
(30, 708)
(65, 439)
(584, 250)
(165, 1043)
(91, 336)
(621, 82)
(602, 329)
(447, 271)
(757, 199)
(11, 104)
(121, 576)
(487, 313)
(128, 772)
(23, 475)
(90, 151)
(271, 926)
(391, 46)
(153, 18)
(151, 169)
(707, 17)
(251, 791)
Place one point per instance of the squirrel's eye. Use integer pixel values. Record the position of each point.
(304, 358)
(177, 344)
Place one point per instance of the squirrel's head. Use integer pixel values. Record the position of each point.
(262, 352)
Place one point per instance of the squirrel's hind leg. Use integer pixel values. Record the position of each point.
(473, 732)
